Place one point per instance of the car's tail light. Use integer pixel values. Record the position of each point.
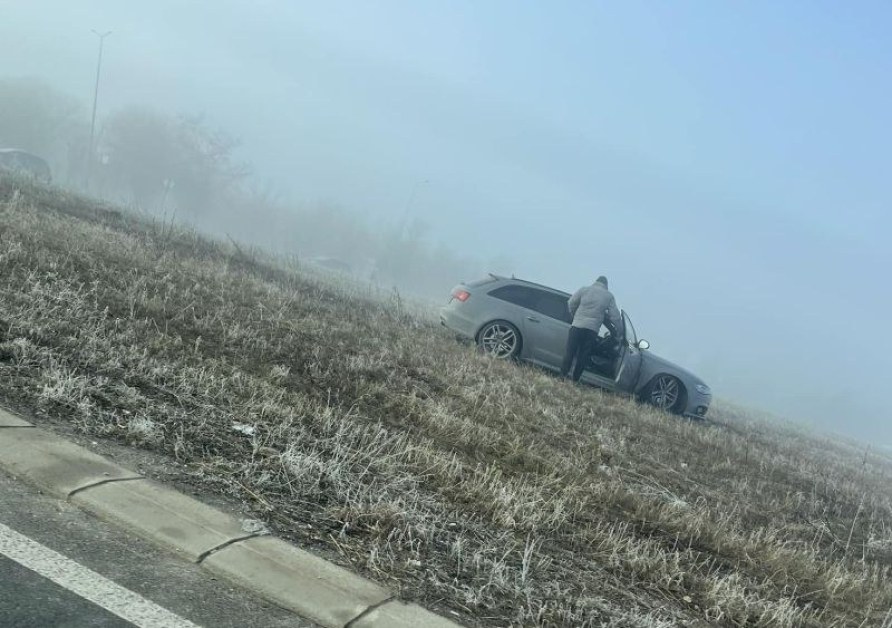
(461, 295)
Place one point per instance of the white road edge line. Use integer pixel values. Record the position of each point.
(87, 583)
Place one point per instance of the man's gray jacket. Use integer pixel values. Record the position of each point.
(591, 304)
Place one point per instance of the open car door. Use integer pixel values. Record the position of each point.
(629, 369)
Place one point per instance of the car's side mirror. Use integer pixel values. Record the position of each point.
(643, 344)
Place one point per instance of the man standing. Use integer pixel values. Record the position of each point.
(588, 307)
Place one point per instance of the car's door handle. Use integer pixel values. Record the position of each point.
(532, 319)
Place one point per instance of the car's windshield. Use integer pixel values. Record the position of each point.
(631, 336)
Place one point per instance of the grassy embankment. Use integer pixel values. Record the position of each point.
(484, 489)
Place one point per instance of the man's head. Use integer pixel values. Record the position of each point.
(602, 280)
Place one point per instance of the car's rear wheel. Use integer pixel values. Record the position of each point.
(666, 393)
(499, 339)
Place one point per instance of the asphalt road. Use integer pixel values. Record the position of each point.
(28, 599)
(63, 568)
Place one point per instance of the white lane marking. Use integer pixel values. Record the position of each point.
(87, 583)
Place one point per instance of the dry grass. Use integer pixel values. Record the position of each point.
(344, 418)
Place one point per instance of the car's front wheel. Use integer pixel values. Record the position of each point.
(500, 340)
(666, 393)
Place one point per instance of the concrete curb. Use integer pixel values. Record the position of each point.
(8, 420)
(270, 568)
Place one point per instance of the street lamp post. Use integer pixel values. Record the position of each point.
(102, 37)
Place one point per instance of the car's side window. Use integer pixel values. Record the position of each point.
(544, 302)
(518, 295)
(552, 305)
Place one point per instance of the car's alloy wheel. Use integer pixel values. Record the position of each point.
(665, 392)
(500, 340)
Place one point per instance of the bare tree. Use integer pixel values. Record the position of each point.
(37, 118)
(206, 169)
(140, 146)
(154, 158)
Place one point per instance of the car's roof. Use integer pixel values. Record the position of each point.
(535, 285)
(529, 283)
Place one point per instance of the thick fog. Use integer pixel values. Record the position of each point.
(725, 165)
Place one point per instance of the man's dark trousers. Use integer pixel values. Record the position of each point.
(580, 344)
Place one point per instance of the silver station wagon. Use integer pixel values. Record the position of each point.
(510, 318)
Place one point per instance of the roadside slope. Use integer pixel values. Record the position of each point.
(350, 424)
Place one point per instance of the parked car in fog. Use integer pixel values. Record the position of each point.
(21, 162)
(511, 318)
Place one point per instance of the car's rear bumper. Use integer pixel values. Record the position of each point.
(452, 318)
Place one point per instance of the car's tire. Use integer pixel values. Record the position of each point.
(500, 339)
(666, 392)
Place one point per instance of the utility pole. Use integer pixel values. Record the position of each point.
(90, 155)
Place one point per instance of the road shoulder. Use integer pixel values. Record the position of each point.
(270, 568)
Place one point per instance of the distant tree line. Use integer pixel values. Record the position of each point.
(183, 167)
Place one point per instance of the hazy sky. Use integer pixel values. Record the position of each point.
(725, 164)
